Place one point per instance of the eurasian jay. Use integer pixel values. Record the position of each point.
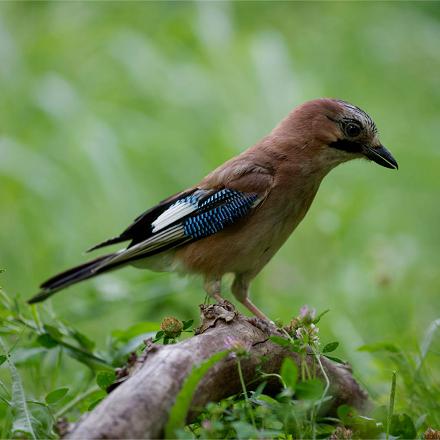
(239, 215)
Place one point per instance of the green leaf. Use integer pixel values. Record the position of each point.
(83, 340)
(324, 431)
(281, 341)
(56, 395)
(380, 413)
(86, 357)
(346, 414)
(244, 430)
(158, 336)
(420, 421)
(22, 418)
(367, 427)
(379, 346)
(264, 399)
(289, 373)
(188, 324)
(259, 390)
(332, 346)
(53, 331)
(335, 359)
(318, 318)
(90, 399)
(42, 420)
(2, 359)
(402, 426)
(95, 403)
(311, 389)
(105, 378)
(181, 406)
(47, 341)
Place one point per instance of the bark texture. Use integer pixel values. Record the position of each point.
(139, 407)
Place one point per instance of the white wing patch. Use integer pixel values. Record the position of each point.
(175, 212)
(178, 210)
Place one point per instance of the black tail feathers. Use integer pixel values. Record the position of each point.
(72, 276)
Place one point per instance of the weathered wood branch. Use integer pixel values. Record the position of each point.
(139, 407)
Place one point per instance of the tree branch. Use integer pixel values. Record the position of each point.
(139, 407)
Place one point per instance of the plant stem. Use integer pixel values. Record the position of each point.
(309, 376)
(75, 401)
(327, 386)
(264, 375)
(303, 372)
(327, 381)
(243, 385)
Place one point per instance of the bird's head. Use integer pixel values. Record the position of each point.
(335, 131)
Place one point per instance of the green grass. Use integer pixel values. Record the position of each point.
(108, 108)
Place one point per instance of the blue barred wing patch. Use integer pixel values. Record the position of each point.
(218, 211)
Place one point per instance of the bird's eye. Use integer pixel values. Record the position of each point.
(352, 129)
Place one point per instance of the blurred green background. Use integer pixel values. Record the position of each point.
(107, 108)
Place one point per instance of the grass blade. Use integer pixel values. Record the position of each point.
(391, 406)
(427, 341)
(22, 416)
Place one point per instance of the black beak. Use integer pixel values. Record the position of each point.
(381, 156)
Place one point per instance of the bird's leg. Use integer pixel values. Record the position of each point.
(213, 288)
(254, 309)
(240, 289)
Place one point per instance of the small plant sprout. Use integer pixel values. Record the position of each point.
(341, 433)
(171, 328)
(431, 434)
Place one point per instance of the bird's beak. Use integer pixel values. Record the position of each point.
(381, 156)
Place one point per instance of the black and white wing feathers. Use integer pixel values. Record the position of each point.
(190, 218)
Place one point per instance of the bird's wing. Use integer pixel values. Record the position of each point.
(226, 195)
(238, 174)
(192, 217)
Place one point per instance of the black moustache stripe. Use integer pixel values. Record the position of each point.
(347, 145)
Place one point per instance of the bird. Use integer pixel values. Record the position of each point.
(237, 217)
